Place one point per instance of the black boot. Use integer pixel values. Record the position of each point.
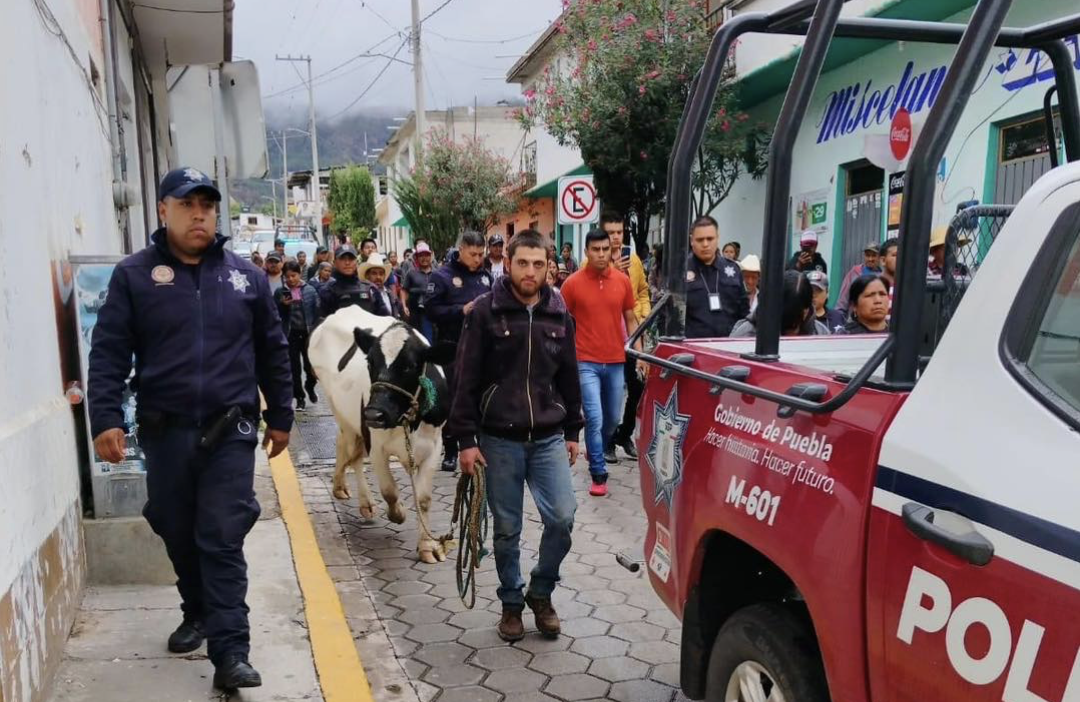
(449, 462)
(300, 404)
(628, 448)
(187, 637)
(235, 672)
(311, 393)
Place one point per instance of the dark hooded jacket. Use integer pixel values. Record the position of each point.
(517, 371)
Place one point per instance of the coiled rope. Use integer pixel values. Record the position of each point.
(470, 516)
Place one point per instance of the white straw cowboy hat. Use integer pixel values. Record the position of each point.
(375, 260)
(751, 264)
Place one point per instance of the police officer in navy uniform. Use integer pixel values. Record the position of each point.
(451, 293)
(715, 296)
(205, 335)
(345, 286)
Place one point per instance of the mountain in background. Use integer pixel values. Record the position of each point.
(341, 142)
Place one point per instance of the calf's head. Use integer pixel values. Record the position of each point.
(398, 361)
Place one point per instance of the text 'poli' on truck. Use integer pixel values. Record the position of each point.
(891, 517)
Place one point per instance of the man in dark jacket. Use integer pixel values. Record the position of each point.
(206, 337)
(376, 272)
(451, 294)
(298, 305)
(807, 258)
(715, 296)
(517, 408)
(345, 286)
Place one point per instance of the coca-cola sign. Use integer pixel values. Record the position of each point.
(900, 134)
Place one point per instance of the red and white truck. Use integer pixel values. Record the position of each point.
(853, 517)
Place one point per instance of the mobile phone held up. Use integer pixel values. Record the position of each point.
(625, 252)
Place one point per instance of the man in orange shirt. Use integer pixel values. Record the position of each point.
(602, 302)
(624, 259)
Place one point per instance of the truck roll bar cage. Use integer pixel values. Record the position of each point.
(819, 21)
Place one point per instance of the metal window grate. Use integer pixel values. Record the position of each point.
(971, 234)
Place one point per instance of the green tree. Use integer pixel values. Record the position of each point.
(352, 200)
(460, 185)
(621, 101)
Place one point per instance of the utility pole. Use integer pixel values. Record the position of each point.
(418, 82)
(316, 190)
(285, 175)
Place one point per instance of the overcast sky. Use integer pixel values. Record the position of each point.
(468, 47)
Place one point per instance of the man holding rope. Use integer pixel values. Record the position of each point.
(517, 410)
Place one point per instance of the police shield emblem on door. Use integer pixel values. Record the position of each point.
(665, 454)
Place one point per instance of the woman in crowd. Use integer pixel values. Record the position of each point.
(322, 274)
(797, 316)
(868, 302)
(567, 258)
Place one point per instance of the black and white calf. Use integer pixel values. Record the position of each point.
(382, 378)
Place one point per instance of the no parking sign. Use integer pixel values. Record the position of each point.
(577, 200)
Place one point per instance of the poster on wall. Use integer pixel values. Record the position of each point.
(91, 287)
(810, 210)
(896, 201)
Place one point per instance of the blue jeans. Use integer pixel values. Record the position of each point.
(544, 465)
(601, 398)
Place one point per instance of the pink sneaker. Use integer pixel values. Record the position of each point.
(598, 490)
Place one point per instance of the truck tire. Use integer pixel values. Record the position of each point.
(765, 652)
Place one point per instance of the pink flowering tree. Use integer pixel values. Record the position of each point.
(460, 185)
(620, 99)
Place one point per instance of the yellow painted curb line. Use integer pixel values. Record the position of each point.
(340, 672)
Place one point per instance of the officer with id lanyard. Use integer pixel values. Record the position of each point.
(715, 296)
(205, 335)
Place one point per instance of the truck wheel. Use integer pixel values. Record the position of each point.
(765, 653)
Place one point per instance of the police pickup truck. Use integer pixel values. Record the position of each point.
(866, 517)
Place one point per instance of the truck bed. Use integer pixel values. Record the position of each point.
(829, 355)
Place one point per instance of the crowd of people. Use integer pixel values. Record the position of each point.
(722, 291)
(540, 357)
(608, 293)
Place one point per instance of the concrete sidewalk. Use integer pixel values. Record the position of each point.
(116, 650)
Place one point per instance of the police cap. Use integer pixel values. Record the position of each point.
(182, 181)
(345, 250)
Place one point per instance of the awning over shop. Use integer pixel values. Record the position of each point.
(551, 188)
(773, 78)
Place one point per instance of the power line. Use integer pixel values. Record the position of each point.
(435, 11)
(378, 14)
(318, 82)
(463, 40)
(310, 20)
(428, 81)
(438, 70)
(455, 59)
(366, 53)
(370, 85)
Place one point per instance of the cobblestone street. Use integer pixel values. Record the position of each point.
(418, 641)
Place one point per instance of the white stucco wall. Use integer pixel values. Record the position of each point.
(55, 193)
(816, 165)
